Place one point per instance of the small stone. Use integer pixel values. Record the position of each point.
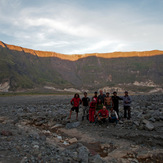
(136, 123)
(36, 146)
(46, 132)
(56, 126)
(152, 119)
(2, 119)
(120, 122)
(103, 146)
(149, 126)
(73, 140)
(62, 141)
(66, 143)
(59, 137)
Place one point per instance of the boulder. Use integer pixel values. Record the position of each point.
(83, 154)
(97, 159)
(72, 125)
(148, 125)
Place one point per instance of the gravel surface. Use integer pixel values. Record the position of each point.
(36, 129)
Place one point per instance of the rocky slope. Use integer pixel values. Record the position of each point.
(25, 68)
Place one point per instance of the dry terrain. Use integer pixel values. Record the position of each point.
(36, 129)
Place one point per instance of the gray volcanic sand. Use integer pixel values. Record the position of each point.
(35, 129)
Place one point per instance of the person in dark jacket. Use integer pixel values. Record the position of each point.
(85, 105)
(127, 103)
(115, 100)
(95, 96)
(101, 96)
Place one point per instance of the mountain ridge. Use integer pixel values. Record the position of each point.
(22, 68)
(75, 57)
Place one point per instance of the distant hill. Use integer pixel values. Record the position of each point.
(26, 69)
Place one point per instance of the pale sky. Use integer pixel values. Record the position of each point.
(82, 26)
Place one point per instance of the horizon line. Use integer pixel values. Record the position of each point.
(74, 57)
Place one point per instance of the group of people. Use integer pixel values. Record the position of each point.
(101, 107)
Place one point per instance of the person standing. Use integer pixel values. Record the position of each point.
(99, 106)
(115, 100)
(92, 109)
(108, 101)
(85, 105)
(75, 102)
(95, 96)
(127, 104)
(101, 96)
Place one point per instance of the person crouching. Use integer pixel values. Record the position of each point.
(92, 110)
(102, 115)
(113, 117)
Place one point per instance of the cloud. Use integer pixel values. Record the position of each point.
(82, 26)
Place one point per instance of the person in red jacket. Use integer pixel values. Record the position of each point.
(92, 110)
(76, 101)
(102, 115)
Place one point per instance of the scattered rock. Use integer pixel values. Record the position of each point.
(120, 122)
(148, 125)
(152, 119)
(2, 119)
(36, 137)
(56, 126)
(73, 140)
(46, 132)
(83, 154)
(66, 143)
(97, 159)
(136, 123)
(59, 137)
(72, 125)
